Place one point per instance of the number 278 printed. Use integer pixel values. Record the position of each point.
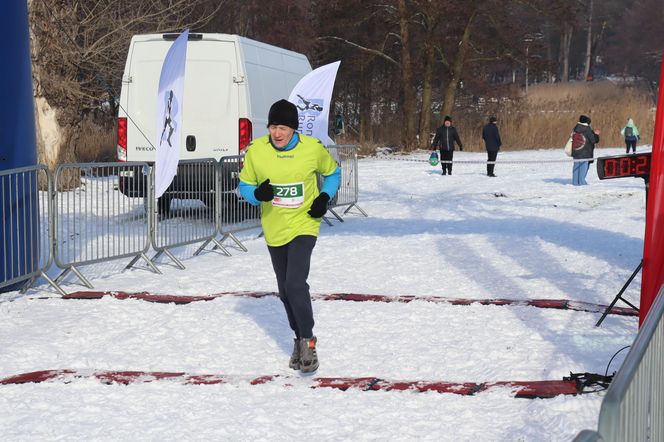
(288, 191)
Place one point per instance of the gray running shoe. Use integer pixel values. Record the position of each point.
(294, 362)
(308, 356)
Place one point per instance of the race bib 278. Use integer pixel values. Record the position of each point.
(290, 196)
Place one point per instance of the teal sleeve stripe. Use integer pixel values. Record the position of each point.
(247, 192)
(331, 182)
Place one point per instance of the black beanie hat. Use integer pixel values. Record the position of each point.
(447, 118)
(492, 119)
(283, 113)
(584, 119)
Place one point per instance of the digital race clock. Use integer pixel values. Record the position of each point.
(634, 165)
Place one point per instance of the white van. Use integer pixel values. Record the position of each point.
(230, 84)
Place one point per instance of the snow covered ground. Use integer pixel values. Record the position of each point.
(527, 234)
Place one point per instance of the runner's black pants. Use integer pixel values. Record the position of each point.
(291, 264)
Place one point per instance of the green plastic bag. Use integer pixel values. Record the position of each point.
(433, 158)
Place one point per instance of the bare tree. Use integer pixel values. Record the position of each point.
(429, 21)
(565, 45)
(589, 40)
(410, 113)
(79, 50)
(636, 47)
(456, 66)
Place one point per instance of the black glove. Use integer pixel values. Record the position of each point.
(319, 206)
(264, 192)
(461, 148)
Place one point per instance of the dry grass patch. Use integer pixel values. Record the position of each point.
(545, 117)
(96, 142)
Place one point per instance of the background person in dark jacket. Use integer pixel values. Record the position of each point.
(580, 169)
(446, 136)
(491, 137)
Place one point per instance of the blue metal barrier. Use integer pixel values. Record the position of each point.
(17, 145)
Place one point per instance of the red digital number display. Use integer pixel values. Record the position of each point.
(635, 165)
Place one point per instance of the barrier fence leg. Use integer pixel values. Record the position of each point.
(147, 261)
(32, 280)
(27, 285)
(358, 208)
(132, 262)
(170, 255)
(235, 240)
(219, 245)
(82, 278)
(619, 296)
(336, 215)
(202, 247)
(157, 255)
(238, 242)
(50, 281)
(62, 275)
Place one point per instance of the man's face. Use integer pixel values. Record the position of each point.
(447, 123)
(281, 135)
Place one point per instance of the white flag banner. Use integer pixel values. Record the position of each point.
(169, 114)
(313, 95)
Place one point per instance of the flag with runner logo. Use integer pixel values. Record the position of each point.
(313, 95)
(169, 114)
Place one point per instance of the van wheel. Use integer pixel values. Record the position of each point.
(210, 202)
(163, 205)
(231, 208)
